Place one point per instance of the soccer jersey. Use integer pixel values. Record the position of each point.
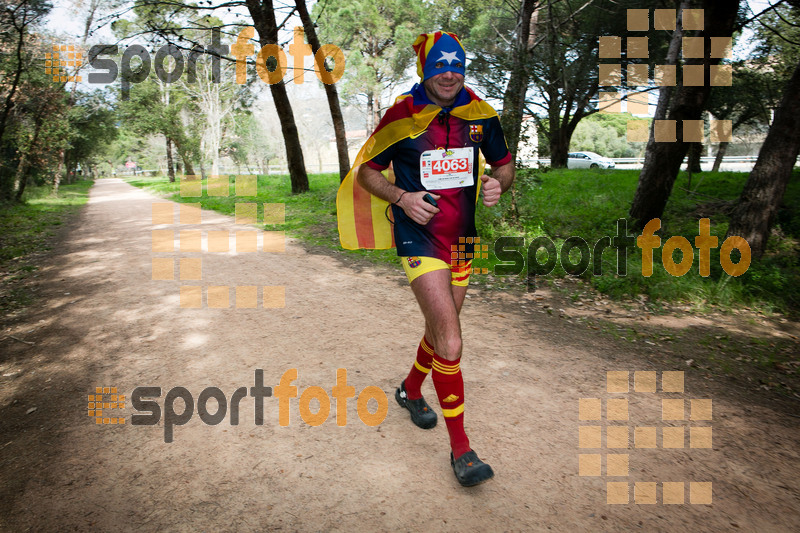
(444, 160)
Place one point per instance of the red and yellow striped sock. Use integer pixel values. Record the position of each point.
(449, 384)
(422, 365)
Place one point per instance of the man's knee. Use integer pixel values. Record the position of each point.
(451, 347)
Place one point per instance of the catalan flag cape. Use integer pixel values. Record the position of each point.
(362, 223)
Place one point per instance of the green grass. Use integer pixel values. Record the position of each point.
(310, 216)
(26, 230)
(558, 204)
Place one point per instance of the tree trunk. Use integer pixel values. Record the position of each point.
(12, 91)
(755, 211)
(370, 114)
(559, 144)
(59, 169)
(654, 189)
(514, 97)
(558, 152)
(21, 179)
(294, 152)
(170, 167)
(663, 159)
(186, 157)
(695, 153)
(693, 162)
(264, 21)
(7, 188)
(376, 109)
(331, 93)
(560, 125)
(723, 147)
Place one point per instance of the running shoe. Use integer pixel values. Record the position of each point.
(421, 413)
(470, 470)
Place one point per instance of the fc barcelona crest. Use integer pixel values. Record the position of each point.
(476, 133)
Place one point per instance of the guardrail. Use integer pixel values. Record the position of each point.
(640, 160)
(703, 159)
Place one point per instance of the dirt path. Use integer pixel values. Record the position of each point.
(102, 321)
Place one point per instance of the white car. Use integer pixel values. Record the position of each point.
(588, 160)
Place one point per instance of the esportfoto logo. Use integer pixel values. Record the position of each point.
(606, 442)
(271, 63)
(144, 400)
(511, 253)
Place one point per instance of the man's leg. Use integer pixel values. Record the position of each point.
(437, 301)
(438, 304)
(441, 303)
(424, 360)
(459, 294)
(420, 369)
(408, 394)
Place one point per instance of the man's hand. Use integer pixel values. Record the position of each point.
(491, 190)
(501, 180)
(411, 203)
(416, 208)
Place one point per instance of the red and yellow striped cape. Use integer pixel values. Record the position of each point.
(361, 219)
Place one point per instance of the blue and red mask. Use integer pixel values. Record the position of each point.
(439, 52)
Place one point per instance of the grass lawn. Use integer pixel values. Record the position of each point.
(558, 204)
(26, 230)
(588, 203)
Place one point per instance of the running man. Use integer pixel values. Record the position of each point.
(431, 137)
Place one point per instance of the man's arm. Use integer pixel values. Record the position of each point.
(500, 181)
(411, 203)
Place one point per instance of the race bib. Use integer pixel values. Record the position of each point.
(446, 169)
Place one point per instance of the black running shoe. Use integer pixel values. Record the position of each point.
(421, 413)
(470, 470)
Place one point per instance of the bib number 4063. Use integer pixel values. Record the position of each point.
(443, 166)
